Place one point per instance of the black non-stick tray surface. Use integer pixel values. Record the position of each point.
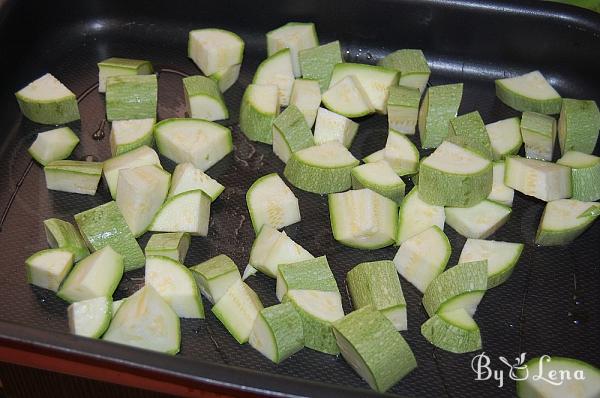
(550, 305)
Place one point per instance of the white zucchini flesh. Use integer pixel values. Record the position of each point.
(141, 156)
(283, 251)
(331, 126)
(272, 202)
(94, 276)
(543, 180)
(363, 219)
(237, 310)
(479, 221)
(318, 309)
(47, 101)
(175, 284)
(296, 36)
(375, 156)
(500, 193)
(186, 212)
(188, 178)
(278, 70)
(90, 318)
(454, 331)
(146, 321)
(564, 220)
(248, 272)
(422, 257)
(213, 50)
(324, 168)
(215, 276)
(557, 377)
(505, 137)
(272, 248)
(416, 216)
(227, 77)
(127, 135)
(306, 95)
(379, 177)
(529, 92)
(203, 99)
(539, 135)
(74, 176)
(115, 307)
(401, 153)
(501, 257)
(48, 268)
(461, 286)
(326, 306)
(375, 80)
(348, 97)
(141, 192)
(454, 176)
(56, 144)
(197, 141)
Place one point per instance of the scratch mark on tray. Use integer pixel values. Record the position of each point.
(171, 71)
(13, 196)
(87, 92)
(221, 354)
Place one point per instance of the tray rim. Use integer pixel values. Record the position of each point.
(230, 379)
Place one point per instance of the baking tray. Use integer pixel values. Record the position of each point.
(550, 305)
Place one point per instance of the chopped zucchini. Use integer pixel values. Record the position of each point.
(95, 276)
(197, 141)
(121, 67)
(321, 168)
(363, 219)
(53, 145)
(131, 97)
(73, 176)
(214, 50)
(422, 257)
(543, 180)
(127, 135)
(104, 225)
(454, 176)
(203, 99)
(529, 92)
(296, 36)
(505, 137)
(272, 202)
(175, 284)
(185, 212)
(47, 101)
(377, 284)
(331, 126)
(215, 276)
(48, 268)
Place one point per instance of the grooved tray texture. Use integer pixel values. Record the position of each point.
(550, 305)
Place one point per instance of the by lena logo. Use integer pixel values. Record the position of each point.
(520, 371)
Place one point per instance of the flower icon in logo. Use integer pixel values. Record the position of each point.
(516, 367)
